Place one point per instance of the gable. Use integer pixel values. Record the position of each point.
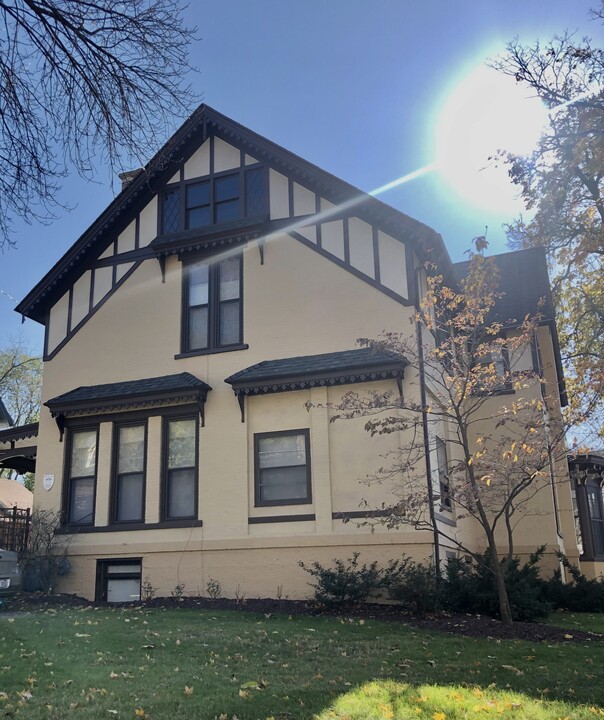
(278, 192)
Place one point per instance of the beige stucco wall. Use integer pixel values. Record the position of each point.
(297, 302)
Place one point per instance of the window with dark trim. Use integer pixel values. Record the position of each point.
(118, 580)
(214, 199)
(213, 309)
(130, 444)
(180, 451)
(81, 476)
(595, 510)
(495, 365)
(282, 468)
(443, 474)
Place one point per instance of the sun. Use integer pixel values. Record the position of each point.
(486, 112)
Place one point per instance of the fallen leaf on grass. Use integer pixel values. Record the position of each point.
(514, 669)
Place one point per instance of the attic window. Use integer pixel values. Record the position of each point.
(214, 200)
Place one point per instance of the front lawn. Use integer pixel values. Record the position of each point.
(592, 622)
(177, 664)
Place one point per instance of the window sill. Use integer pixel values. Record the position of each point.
(278, 503)
(447, 519)
(495, 392)
(123, 527)
(257, 520)
(211, 351)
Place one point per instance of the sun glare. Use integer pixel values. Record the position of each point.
(486, 112)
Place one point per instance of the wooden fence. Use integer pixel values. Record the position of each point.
(15, 524)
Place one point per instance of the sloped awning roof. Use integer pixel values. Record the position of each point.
(132, 394)
(328, 369)
(19, 432)
(21, 459)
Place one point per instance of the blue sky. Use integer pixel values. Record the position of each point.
(356, 87)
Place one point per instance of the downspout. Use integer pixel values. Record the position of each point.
(422, 390)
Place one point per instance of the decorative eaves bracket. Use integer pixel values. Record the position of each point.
(241, 390)
(97, 409)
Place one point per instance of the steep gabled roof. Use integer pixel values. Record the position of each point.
(138, 193)
(524, 284)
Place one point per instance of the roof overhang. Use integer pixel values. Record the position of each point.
(167, 390)
(22, 459)
(326, 370)
(205, 121)
(20, 432)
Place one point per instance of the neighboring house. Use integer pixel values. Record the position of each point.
(587, 474)
(186, 330)
(13, 494)
(18, 448)
(6, 420)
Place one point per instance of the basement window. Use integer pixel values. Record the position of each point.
(118, 581)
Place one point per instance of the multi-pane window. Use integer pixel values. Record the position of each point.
(493, 370)
(282, 472)
(198, 210)
(180, 459)
(82, 476)
(443, 474)
(130, 473)
(214, 200)
(212, 317)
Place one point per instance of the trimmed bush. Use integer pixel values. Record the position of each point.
(466, 588)
(579, 595)
(414, 586)
(346, 584)
(472, 588)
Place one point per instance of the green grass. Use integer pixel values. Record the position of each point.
(93, 663)
(592, 622)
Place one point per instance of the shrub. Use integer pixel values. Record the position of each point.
(466, 587)
(472, 588)
(579, 595)
(214, 589)
(346, 584)
(414, 586)
(44, 558)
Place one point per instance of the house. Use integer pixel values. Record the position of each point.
(587, 475)
(22, 460)
(6, 420)
(195, 336)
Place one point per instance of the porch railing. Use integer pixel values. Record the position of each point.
(15, 525)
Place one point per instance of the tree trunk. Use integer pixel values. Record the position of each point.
(505, 609)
